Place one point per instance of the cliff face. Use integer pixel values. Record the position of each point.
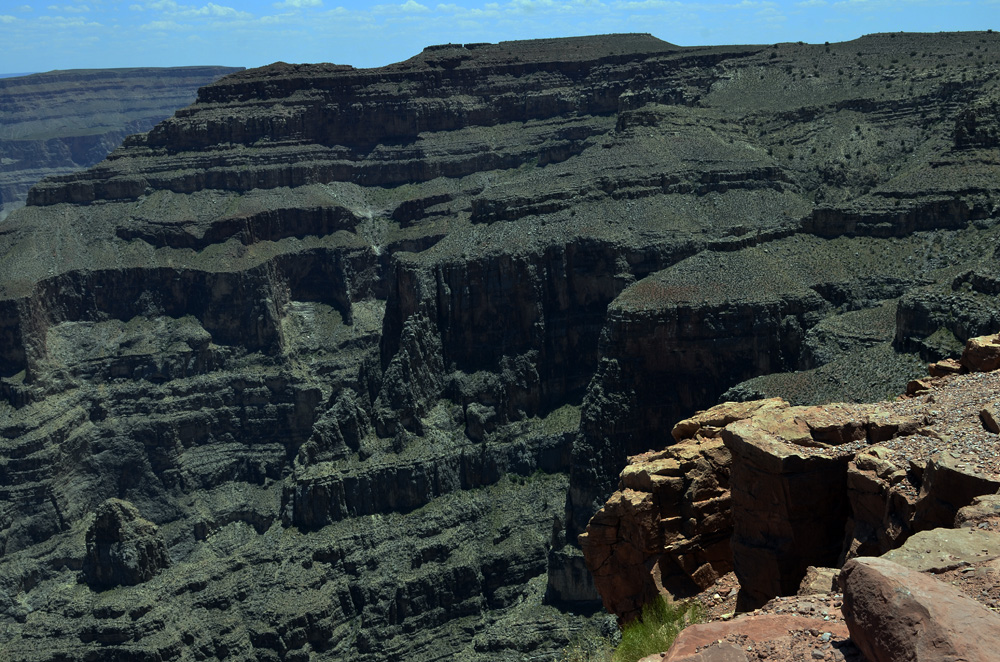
(63, 121)
(361, 350)
(768, 489)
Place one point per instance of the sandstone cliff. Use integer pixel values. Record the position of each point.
(366, 349)
(63, 121)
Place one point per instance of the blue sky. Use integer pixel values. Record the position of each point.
(72, 34)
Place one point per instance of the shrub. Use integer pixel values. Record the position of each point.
(656, 629)
(588, 649)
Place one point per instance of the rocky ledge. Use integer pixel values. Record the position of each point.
(782, 496)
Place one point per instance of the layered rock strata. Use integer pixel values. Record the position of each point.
(63, 121)
(369, 347)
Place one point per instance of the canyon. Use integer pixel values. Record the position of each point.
(338, 363)
(59, 122)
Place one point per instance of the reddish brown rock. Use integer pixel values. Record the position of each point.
(949, 484)
(944, 367)
(666, 529)
(982, 354)
(883, 501)
(894, 613)
(695, 643)
(918, 386)
(789, 510)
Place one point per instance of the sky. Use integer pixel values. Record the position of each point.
(86, 34)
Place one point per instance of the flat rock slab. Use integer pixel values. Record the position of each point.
(895, 613)
(722, 640)
(939, 550)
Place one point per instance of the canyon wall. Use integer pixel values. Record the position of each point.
(337, 363)
(59, 122)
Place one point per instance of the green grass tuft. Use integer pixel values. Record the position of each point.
(656, 629)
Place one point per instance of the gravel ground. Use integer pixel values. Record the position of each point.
(952, 409)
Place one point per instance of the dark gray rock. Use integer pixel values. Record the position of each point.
(122, 547)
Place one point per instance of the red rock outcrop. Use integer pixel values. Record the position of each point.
(798, 479)
(668, 526)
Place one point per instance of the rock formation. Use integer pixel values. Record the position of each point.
(793, 480)
(896, 476)
(122, 548)
(63, 121)
(370, 347)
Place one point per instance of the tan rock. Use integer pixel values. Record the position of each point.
(918, 386)
(667, 528)
(982, 354)
(818, 581)
(944, 367)
(882, 500)
(944, 549)
(983, 512)
(895, 613)
(948, 485)
(710, 421)
(990, 416)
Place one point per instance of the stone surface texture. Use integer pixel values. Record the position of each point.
(799, 478)
(896, 613)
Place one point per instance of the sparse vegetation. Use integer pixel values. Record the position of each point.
(656, 629)
(653, 632)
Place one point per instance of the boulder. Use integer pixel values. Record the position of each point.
(122, 547)
(944, 367)
(982, 513)
(982, 354)
(818, 581)
(895, 613)
(990, 416)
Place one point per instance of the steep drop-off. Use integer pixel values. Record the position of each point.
(364, 350)
(63, 121)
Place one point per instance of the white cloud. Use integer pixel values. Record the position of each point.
(7, 19)
(812, 3)
(413, 6)
(162, 26)
(408, 7)
(73, 9)
(298, 4)
(171, 8)
(25, 8)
